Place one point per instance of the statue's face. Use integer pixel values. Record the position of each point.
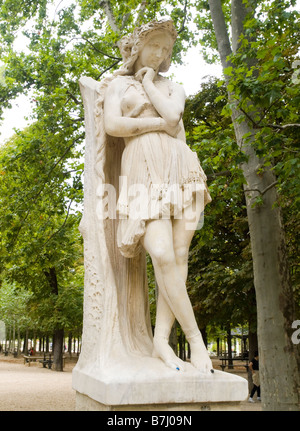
(155, 51)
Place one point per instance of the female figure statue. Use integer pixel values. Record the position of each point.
(145, 109)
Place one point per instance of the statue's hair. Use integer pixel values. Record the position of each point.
(131, 45)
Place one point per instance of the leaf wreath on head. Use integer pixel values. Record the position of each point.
(130, 45)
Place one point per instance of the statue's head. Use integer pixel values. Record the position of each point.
(131, 46)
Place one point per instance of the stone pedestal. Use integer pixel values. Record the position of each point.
(84, 403)
(150, 386)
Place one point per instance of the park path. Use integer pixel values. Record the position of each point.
(34, 388)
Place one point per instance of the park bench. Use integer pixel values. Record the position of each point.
(45, 360)
(29, 359)
(225, 362)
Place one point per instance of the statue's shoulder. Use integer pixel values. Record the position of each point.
(120, 81)
(171, 85)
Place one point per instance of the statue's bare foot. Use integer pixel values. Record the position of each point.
(199, 355)
(163, 350)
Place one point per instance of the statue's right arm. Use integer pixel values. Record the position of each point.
(117, 125)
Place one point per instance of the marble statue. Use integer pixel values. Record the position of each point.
(144, 193)
(145, 109)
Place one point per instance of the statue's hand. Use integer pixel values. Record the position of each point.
(145, 74)
(171, 130)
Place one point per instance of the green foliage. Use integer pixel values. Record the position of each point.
(14, 306)
(60, 311)
(220, 278)
(207, 37)
(152, 289)
(41, 166)
(39, 225)
(263, 79)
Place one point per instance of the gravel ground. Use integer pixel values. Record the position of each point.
(34, 388)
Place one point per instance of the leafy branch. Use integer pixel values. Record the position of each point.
(99, 51)
(184, 19)
(35, 197)
(107, 69)
(284, 126)
(274, 126)
(264, 191)
(61, 227)
(218, 174)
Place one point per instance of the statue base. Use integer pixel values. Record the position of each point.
(85, 403)
(151, 386)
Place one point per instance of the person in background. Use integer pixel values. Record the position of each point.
(254, 367)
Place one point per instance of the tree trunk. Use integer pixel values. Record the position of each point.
(181, 342)
(229, 345)
(279, 358)
(25, 347)
(70, 343)
(9, 340)
(19, 342)
(58, 342)
(14, 338)
(34, 341)
(58, 336)
(172, 339)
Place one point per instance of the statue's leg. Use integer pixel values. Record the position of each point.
(159, 232)
(163, 325)
(164, 315)
(158, 241)
(183, 231)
